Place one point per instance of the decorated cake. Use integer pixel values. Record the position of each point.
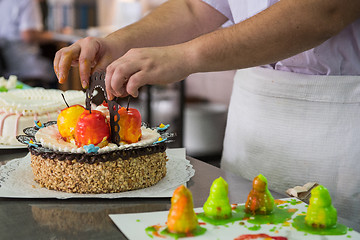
(103, 149)
(22, 108)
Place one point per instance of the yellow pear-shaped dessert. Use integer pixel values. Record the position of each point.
(182, 218)
(320, 213)
(259, 201)
(217, 205)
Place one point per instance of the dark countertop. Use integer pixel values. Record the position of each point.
(88, 218)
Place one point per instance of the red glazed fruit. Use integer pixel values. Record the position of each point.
(92, 128)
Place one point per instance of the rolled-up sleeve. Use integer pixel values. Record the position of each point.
(239, 10)
(30, 16)
(222, 6)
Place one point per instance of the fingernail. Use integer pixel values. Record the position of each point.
(61, 77)
(84, 84)
(135, 95)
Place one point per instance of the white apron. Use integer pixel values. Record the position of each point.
(295, 128)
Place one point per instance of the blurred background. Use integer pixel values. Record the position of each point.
(33, 30)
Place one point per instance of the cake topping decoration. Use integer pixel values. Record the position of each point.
(125, 123)
(129, 124)
(97, 82)
(31, 143)
(160, 140)
(260, 200)
(217, 205)
(38, 124)
(91, 148)
(92, 128)
(67, 121)
(163, 127)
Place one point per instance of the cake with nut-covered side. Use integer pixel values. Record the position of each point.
(76, 154)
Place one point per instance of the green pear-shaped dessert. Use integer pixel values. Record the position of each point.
(217, 205)
(182, 218)
(320, 213)
(259, 201)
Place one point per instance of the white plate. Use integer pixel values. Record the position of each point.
(17, 180)
(133, 226)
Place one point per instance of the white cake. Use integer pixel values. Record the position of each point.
(20, 108)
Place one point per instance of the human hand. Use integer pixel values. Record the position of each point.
(141, 66)
(89, 54)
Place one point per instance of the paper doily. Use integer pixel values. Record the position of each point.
(16, 180)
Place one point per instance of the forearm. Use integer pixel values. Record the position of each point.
(175, 21)
(283, 30)
(35, 36)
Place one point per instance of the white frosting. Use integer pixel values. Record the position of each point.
(19, 109)
(12, 125)
(104, 110)
(10, 83)
(38, 100)
(50, 137)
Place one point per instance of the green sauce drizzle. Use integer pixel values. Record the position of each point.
(235, 216)
(197, 232)
(278, 216)
(254, 228)
(299, 224)
(149, 231)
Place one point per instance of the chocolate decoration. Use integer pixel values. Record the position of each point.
(92, 158)
(114, 125)
(89, 158)
(97, 80)
(31, 131)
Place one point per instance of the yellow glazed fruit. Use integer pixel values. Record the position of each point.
(67, 121)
